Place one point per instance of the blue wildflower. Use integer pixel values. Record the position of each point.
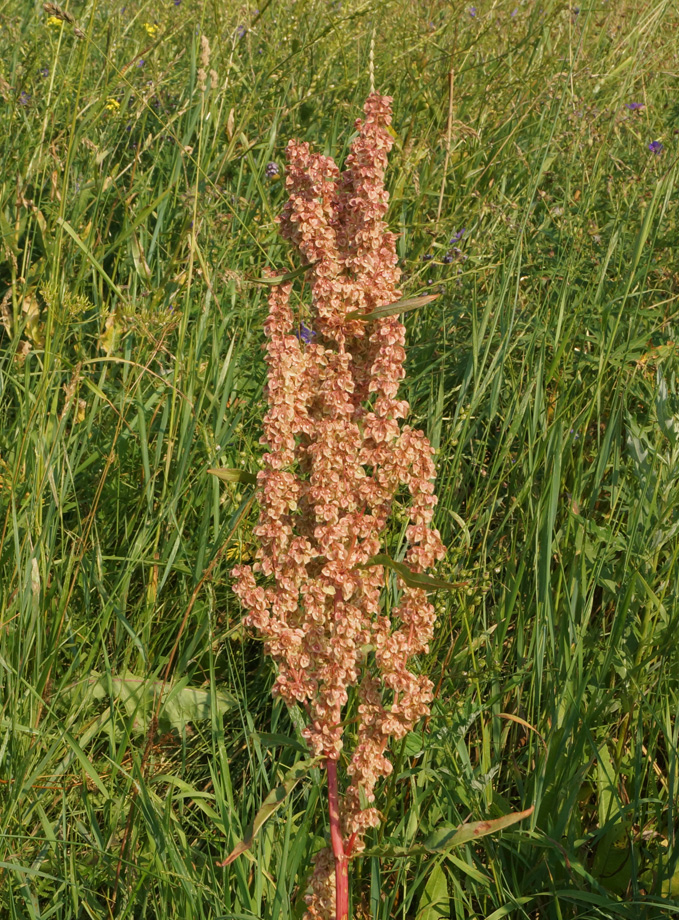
(472, 11)
(240, 31)
(305, 334)
(656, 147)
(634, 106)
(456, 237)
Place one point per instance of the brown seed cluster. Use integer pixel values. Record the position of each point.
(338, 451)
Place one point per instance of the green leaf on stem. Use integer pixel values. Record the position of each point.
(445, 838)
(435, 902)
(230, 475)
(391, 309)
(288, 276)
(412, 579)
(273, 801)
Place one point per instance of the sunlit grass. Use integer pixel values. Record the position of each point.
(136, 212)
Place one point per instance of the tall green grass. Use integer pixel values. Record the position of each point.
(137, 734)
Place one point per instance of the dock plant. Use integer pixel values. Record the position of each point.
(341, 458)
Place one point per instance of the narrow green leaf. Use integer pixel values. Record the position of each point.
(230, 475)
(140, 263)
(445, 838)
(288, 276)
(90, 256)
(645, 228)
(391, 309)
(139, 219)
(412, 579)
(273, 801)
(268, 739)
(86, 764)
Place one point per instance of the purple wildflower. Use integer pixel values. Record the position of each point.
(427, 257)
(305, 334)
(456, 237)
(24, 97)
(634, 106)
(272, 170)
(240, 31)
(45, 72)
(472, 11)
(140, 62)
(656, 147)
(448, 258)
(515, 11)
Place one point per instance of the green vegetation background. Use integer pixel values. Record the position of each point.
(135, 212)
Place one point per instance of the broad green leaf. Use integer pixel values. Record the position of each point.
(193, 704)
(413, 744)
(180, 705)
(230, 475)
(606, 785)
(412, 579)
(435, 901)
(670, 885)
(273, 801)
(615, 858)
(391, 309)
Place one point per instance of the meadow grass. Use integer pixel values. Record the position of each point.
(138, 737)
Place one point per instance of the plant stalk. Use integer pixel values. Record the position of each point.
(341, 861)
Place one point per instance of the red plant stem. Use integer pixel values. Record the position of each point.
(341, 861)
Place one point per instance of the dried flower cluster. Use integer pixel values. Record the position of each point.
(338, 453)
(202, 74)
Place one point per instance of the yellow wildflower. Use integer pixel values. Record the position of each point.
(151, 29)
(112, 105)
(54, 22)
